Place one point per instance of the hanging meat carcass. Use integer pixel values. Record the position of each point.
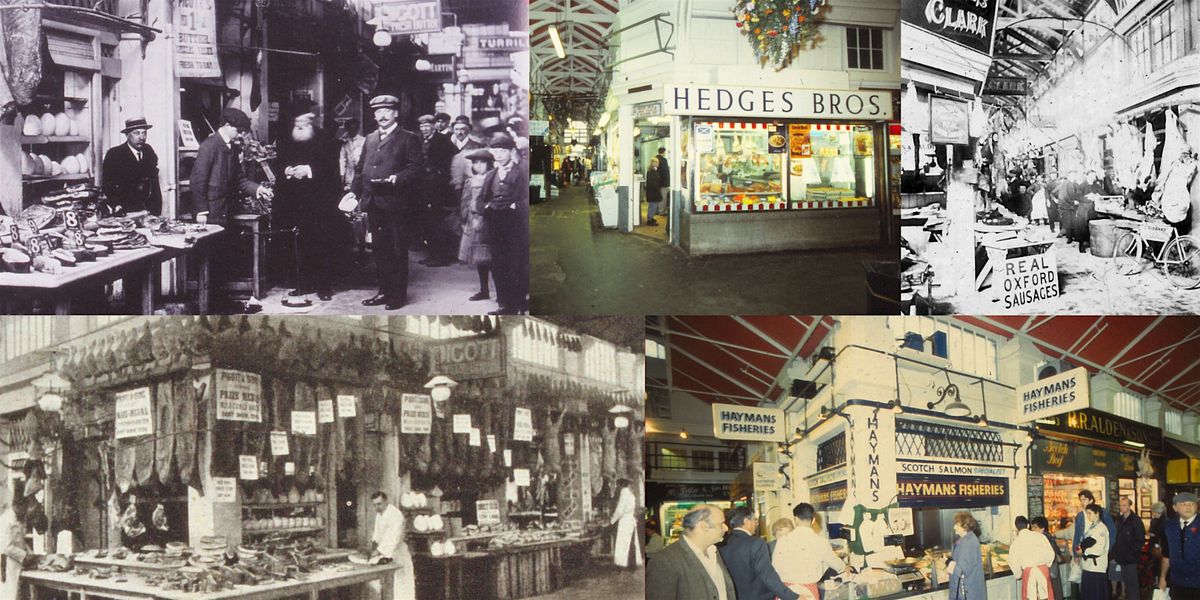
(20, 56)
(165, 431)
(552, 442)
(186, 394)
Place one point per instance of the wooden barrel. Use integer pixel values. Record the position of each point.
(1103, 237)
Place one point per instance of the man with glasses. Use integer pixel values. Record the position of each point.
(692, 569)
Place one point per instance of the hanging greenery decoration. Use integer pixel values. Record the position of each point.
(777, 29)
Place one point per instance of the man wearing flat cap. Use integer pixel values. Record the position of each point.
(217, 175)
(1180, 569)
(505, 201)
(386, 180)
(440, 206)
(131, 173)
(442, 123)
(460, 165)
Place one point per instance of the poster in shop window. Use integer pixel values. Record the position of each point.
(948, 120)
(134, 416)
(238, 396)
(968, 23)
(196, 39)
(800, 141)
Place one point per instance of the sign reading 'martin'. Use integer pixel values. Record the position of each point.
(721, 101)
(733, 422)
(1055, 395)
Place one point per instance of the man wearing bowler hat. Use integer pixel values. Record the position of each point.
(131, 172)
(386, 179)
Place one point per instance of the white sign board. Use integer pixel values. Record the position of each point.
(224, 489)
(304, 422)
(325, 411)
(474, 436)
(733, 422)
(521, 477)
(704, 137)
(926, 468)
(279, 443)
(187, 136)
(507, 457)
(767, 477)
(491, 440)
(405, 17)
(347, 406)
(1029, 280)
(1055, 395)
(196, 39)
(569, 445)
(134, 415)
(239, 396)
(523, 428)
(487, 512)
(462, 423)
(416, 413)
(248, 467)
(722, 101)
(289, 468)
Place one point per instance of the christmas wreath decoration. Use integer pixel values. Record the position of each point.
(777, 29)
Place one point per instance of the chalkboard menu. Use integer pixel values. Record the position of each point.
(1037, 493)
(1114, 495)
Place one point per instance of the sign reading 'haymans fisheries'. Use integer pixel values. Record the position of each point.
(970, 23)
(721, 101)
(733, 422)
(1055, 395)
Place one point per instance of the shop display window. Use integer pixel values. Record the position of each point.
(757, 166)
(1061, 499)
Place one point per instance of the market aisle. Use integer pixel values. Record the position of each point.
(610, 583)
(579, 269)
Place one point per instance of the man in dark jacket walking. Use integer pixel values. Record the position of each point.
(749, 560)
(1127, 550)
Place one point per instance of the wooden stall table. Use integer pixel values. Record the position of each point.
(200, 250)
(135, 266)
(39, 582)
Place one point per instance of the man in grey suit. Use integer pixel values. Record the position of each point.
(692, 569)
(385, 179)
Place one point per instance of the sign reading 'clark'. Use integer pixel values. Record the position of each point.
(733, 422)
(969, 23)
(709, 100)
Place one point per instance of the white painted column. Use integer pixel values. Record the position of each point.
(675, 154)
(626, 168)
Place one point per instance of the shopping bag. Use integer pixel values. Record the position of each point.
(1076, 572)
(1161, 594)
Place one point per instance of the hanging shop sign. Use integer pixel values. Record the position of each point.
(1029, 280)
(968, 23)
(134, 415)
(828, 476)
(1094, 424)
(416, 413)
(733, 422)
(960, 470)
(1055, 395)
(767, 477)
(716, 101)
(1056, 456)
(468, 359)
(440, 63)
(874, 447)
(406, 17)
(644, 110)
(829, 497)
(951, 492)
(1006, 86)
(238, 396)
(684, 491)
(949, 120)
(196, 39)
(487, 512)
(504, 43)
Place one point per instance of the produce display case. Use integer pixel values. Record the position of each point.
(740, 170)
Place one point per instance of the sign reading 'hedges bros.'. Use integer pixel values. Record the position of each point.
(733, 422)
(712, 100)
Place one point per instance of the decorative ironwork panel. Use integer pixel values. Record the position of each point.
(832, 452)
(935, 440)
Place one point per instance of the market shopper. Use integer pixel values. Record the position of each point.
(14, 552)
(505, 200)
(1032, 559)
(217, 177)
(1068, 193)
(308, 194)
(131, 173)
(385, 179)
(1086, 498)
(439, 228)
(653, 191)
(627, 552)
(1127, 549)
(1039, 212)
(388, 546)
(473, 249)
(1094, 553)
(749, 560)
(664, 180)
(966, 562)
(802, 557)
(654, 542)
(1181, 553)
(1041, 526)
(779, 529)
(692, 568)
(351, 152)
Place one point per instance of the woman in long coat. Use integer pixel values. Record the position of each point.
(966, 563)
(627, 544)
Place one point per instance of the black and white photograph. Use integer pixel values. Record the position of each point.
(264, 156)
(1049, 158)
(381, 458)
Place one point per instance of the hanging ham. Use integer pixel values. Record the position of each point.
(186, 401)
(165, 431)
(144, 446)
(20, 56)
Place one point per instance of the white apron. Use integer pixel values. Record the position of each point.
(11, 587)
(625, 517)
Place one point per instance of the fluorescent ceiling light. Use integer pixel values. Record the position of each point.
(557, 41)
(603, 121)
(1134, 444)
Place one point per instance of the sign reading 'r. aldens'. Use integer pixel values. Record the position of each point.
(733, 422)
(720, 101)
(1056, 395)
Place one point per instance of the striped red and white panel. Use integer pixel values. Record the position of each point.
(730, 207)
(833, 128)
(832, 204)
(729, 125)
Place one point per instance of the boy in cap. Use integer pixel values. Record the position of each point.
(391, 165)
(505, 198)
(442, 122)
(131, 172)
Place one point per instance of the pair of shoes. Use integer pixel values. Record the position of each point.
(479, 296)
(375, 300)
(652, 222)
(325, 296)
(395, 304)
(299, 292)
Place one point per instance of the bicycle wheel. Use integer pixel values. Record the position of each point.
(1181, 261)
(1127, 255)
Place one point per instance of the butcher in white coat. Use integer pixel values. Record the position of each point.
(625, 516)
(388, 545)
(13, 549)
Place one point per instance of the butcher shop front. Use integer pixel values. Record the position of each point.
(425, 457)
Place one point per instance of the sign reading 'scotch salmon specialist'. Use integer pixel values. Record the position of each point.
(721, 101)
(1055, 395)
(733, 422)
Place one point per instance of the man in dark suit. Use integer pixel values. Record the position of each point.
(217, 174)
(460, 165)
(131, 172)
(438, 205)
(664, 179)
(505, 201)
(749, 560)
(692, 569)
(386, 179)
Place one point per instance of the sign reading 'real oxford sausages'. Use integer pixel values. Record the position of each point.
(468, 358)
(733, 422)
(968, 23)
(720, 101)
(239, 396)
(1029, 279)
(1055, 395)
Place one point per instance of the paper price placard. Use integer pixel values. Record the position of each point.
(248, 467)
(491, 440)
(224, 489)
(507, 457)
(279, 443)
(134, 416)
(462, 423)
(304, 422)
(474, 436)
(521, 477)
(325, 411)
(289, 468)
(523, 428)
(416, 413)
(238, 396)
(347, 406)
